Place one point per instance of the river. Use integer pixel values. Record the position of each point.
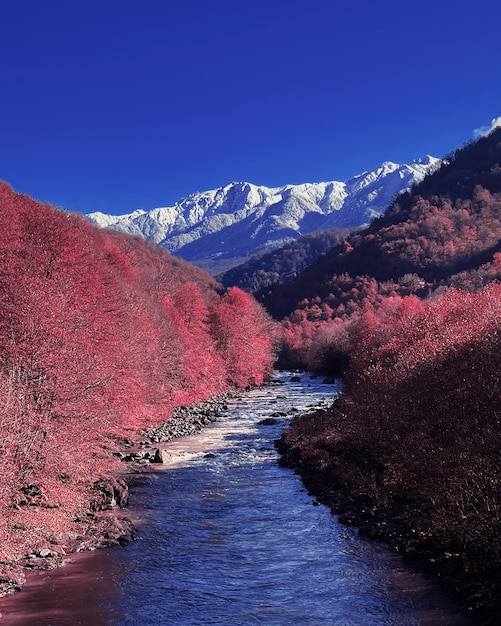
(228, 537)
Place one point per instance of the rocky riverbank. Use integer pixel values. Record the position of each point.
(103, 525)
(183, 422)
(349, 477)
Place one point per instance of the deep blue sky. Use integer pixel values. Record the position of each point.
(114, 105)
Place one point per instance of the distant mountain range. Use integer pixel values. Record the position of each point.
(220, 228)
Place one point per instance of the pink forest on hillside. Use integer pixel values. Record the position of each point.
(101, 334)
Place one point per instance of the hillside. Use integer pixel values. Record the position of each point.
(409, 310)
(282, 264)
(101, 334)
(410, 452)
(221, 228)
(446, 231)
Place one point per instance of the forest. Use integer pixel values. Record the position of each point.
(429, 239)
(101, 334)
(409, 311)
(284, 264)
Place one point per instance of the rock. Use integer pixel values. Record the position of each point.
(110, 493)
(46, 553)
(268, 421)
(44, 559)
(188, 420)
(109, 530)
(160, 456)
(296, 379)
(124, 540)
(12, 578)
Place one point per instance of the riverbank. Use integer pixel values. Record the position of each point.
(103, 523)
(352, 475)
(221, 505)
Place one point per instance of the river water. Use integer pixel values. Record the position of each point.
(228, 537)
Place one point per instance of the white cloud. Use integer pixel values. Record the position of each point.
(485, 130)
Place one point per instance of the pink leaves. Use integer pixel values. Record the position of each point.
(100, 332)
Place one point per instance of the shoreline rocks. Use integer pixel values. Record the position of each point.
(185, 420)
(188, 420)
(106, 527)
(103, 526)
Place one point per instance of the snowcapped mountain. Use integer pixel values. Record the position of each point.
(240, 219)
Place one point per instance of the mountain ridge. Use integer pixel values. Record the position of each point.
(240, 219)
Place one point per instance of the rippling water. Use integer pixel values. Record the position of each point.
(228, 537)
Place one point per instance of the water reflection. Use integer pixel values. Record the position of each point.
(79, 593)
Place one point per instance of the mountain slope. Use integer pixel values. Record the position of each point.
(409, 310)
(446, 232)
(241, 219)
(282, 264)
(100, 334)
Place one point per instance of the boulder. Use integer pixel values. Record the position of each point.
(108, 530)
(268, 421)
(110, 494)
(160, 456)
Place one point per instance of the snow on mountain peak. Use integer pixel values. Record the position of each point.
(241, 218)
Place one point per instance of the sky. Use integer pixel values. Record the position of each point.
(115, 105)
